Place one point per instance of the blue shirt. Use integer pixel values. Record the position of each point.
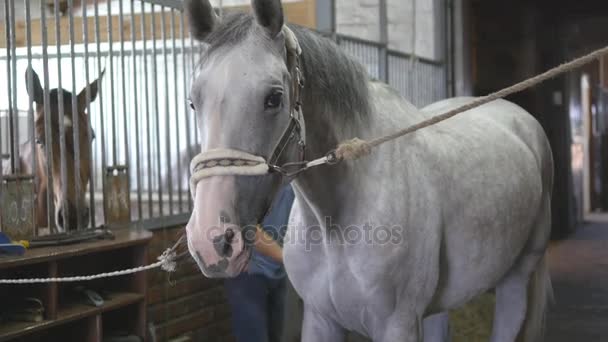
(275, 224)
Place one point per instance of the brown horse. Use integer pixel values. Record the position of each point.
(27, 155)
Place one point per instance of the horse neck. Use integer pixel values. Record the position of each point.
(340, 102)
(325, 188)
(332, 190)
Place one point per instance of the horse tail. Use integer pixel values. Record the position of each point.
(540, 293)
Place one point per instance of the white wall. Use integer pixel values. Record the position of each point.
(360, 18)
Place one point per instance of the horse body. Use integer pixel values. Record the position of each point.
(467, 195)
(421, 225)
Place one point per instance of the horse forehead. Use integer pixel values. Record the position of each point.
(248, 62)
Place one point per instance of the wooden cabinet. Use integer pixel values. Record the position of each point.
(68, 315)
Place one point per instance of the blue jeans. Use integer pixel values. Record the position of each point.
(257, 305)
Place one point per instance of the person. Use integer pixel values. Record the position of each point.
(257, 296)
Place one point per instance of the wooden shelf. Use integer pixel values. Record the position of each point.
(64, 316)
(122, 238)
(69, 313)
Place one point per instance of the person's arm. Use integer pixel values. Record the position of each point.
(267, 246)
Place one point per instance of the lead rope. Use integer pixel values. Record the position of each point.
(166, 261)
(357, 148)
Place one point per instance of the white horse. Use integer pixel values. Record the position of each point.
(420, 226)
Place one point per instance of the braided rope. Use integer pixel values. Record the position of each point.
(166, 261)
(356, 148)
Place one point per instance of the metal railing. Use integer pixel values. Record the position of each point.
(421, 81)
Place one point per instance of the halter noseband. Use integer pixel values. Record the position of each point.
(234, 162)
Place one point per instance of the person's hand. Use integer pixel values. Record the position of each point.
(267, 246)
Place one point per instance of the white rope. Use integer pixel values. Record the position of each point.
(166, 262)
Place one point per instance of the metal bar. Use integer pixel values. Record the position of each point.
(449, 48)
(112, 104)
(85, 33)
(75, 119)
(124, 94)
(30, 108)
(167, 125)
(99, 89)
(147, 102)
(325, 16)
(136, 113)
(47, 122)
(192, 66)
(61, 112)
(138, 52)
(7, 20)
(177, 113)
(182, 28)
(382, 52)
(157, 114)
(13, 83)
(148, 128)
(175, 4)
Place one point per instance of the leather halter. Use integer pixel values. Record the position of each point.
(234, 162)
(296, 129)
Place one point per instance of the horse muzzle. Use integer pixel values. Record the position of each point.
(216, 242)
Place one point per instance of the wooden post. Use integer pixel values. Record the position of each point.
(52, 293)
(94, 329)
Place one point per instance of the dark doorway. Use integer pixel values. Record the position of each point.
(515, 40)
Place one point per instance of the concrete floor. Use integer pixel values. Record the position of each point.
(579, 271)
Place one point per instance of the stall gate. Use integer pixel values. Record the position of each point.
(144, 132)
(420, 80)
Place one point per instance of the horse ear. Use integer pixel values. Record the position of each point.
(93, 90)
(201, 18)
(34, 88)
(269, 15)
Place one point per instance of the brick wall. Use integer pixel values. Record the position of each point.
(187, 306)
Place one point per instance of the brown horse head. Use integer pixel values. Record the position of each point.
(73, 199)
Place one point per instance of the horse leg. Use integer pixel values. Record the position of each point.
(402, 328)
(436, 328)
(521, 296)
(316, 328)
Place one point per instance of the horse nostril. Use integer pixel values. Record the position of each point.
(229, 235)
(223, 243)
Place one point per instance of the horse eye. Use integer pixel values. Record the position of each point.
(191, 104)
(39, 142)
(274, 100)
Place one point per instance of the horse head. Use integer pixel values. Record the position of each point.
(243, 96)
(72, 198)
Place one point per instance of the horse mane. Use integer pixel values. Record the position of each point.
(332, 77)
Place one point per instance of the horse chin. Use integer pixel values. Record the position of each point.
(241, 262)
